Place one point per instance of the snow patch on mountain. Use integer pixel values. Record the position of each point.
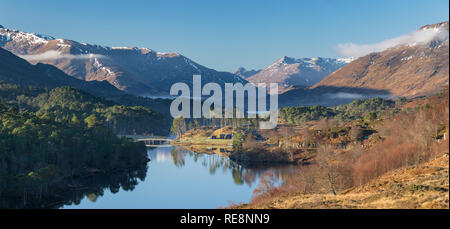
(19, 36)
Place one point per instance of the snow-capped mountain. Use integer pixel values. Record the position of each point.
(140, 71)
(288, 71)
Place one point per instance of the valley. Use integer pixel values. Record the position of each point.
(354, 132)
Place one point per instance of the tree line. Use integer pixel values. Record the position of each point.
(368, 109)
(66, 103)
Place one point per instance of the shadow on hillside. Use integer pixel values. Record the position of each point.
(328, 95)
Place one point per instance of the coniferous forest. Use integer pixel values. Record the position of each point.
(51, 137)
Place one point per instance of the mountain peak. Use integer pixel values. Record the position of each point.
(46, 37)
(1, 27)
(286, 60)
(306, 60)
(443, 24)
(244, 73)
(288, 71)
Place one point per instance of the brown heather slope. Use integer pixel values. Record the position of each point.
(402, 164)
(422, 69)
(422, 186)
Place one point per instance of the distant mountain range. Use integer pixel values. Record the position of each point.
(138, 71)
(289, 72)
(413, 69)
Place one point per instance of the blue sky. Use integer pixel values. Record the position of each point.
(226, 34)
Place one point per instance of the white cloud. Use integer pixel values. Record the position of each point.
(418, 37)
(54, 55)
(347, 95)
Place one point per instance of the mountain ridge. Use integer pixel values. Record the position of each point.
(406, 70)
(289, 72)
(139, 71)
(16, 70)
(245, 73)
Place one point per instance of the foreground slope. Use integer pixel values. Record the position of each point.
(422, 186)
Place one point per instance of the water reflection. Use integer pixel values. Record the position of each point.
(93, 187)
(72, 192)
(176, 178)
(214, 162)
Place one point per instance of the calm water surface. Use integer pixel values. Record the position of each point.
(178, 178)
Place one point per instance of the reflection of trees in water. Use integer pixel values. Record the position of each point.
(178, 156)
(97, 184)
(241, 175)
(274, 178)
(92, 187)
(249, 176)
